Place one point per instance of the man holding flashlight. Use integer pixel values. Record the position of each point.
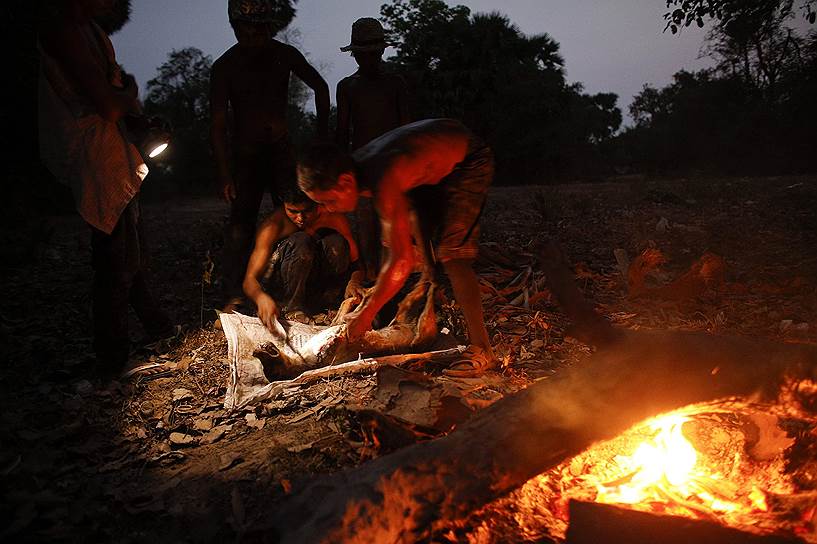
(84, 98)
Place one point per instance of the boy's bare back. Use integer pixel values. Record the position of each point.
(420, 153)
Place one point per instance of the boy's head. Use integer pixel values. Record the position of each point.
(368, 42)
(298, 207)
(327, 175)
(252, 21)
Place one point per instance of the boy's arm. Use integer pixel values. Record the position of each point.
(218, 130)
(394, 213)
(307, 73)
(274, 228)
(65, 44)
(342, 129)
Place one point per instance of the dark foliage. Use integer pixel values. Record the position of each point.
(723, 124)
(727, 12)
(754, 113)
(508, 87)
(179, 93)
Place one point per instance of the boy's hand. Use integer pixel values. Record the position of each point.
(227, 189)
(354, 290)
(357, 323)
(267, 310)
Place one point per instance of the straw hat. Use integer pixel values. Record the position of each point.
(250, 11)
(367, 35)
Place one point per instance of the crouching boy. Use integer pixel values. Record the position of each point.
(302, 259)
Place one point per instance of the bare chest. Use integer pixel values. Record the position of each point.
(259, 80)
(381, 94)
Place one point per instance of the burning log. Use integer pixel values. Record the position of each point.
(591, 523)
(408, 495)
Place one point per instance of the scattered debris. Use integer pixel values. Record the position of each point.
(253, 421)
(229, 460)
(705, 274)
(203, 424)
(181, 394)
(50, 455)
(215, 434)
(301, 447)
(181, 440)
(662, 225)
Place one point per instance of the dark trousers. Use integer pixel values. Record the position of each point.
(259, 168)
(308, 272)
(120, 279)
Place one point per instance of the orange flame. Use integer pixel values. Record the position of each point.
(666, 468)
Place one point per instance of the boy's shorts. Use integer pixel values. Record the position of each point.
(449, 212)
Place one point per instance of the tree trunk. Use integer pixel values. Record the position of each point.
(405, 496)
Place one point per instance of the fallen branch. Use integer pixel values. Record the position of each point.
(275, 390)
(371, 364)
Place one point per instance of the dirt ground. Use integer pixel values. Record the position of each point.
(159, 459)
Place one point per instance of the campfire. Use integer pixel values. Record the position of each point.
(692, 436)
(733, 462)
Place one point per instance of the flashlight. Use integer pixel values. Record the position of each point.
(156, 141)
(151, 134)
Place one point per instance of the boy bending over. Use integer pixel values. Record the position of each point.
(435, 152)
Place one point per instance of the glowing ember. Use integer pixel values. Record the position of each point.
(724, 461)
(665, 467)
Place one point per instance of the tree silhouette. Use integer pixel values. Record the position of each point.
(755, 43)
(727, 12)
(754, 113)
(179, 93)
(508, 87)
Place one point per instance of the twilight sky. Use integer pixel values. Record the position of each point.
(608, 46)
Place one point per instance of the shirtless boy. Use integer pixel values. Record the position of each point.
(253, 78)
(435, 152)
(303, 255)
(371, 102)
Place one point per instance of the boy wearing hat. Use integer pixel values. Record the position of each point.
(252, 77)
(371, 102)
(440, 155)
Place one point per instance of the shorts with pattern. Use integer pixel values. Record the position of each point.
(449, 212)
